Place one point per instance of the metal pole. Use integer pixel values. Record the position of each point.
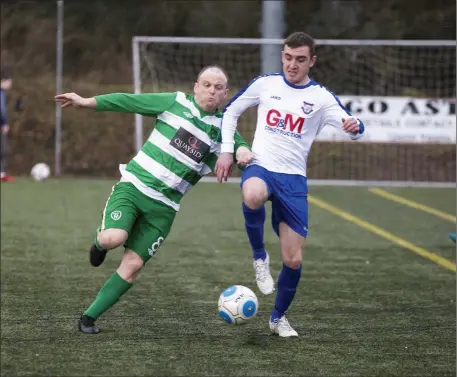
(137, 90)
(59, 54)
(272, 27)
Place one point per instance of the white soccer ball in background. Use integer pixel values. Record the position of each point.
(40, 171)
(237, 304)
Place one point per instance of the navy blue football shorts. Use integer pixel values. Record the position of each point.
(288, 194)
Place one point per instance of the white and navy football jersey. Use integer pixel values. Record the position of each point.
(289, 117)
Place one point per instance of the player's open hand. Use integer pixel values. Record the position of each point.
(243, 156)
(72, 99)
(350, 125)
(224, 166)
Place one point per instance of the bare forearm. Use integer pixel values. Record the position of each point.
(90, 103)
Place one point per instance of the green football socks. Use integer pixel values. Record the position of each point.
(108, 295)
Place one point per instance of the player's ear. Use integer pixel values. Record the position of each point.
(313, 60)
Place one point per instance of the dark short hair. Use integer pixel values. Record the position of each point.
(300, 39)
(204, 69)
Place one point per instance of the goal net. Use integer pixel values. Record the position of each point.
(404, 91)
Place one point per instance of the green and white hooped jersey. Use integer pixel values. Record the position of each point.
(182, 148)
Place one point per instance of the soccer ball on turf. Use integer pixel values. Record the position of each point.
(237, 304)
(40, 171)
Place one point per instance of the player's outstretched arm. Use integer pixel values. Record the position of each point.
(148, 104)
(245, 98)
(75, 100)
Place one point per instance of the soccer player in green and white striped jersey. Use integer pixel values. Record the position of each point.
(140, 211)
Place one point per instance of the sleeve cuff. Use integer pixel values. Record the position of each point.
(97, 103)
(361, 126)
(227, 147)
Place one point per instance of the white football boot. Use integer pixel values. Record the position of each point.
(282, 328)
(263, 276)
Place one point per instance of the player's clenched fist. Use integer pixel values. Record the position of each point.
(243, 156)
(73, 99)
(351, 125)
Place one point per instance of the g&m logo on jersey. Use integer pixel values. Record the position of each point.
(190, 145)
(284, 123)
(307, 107)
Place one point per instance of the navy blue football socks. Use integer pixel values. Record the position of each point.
(254, 220)
(287, 286)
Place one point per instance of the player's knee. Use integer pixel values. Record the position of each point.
(255, 192)
(293, 262)
(253, 198)
(130, 266)
(292, 257)
(112, 238)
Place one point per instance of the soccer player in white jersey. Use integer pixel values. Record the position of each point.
(292, 110)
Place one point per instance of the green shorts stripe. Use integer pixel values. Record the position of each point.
(106, 206)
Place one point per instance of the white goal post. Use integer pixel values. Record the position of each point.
(404, 89)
